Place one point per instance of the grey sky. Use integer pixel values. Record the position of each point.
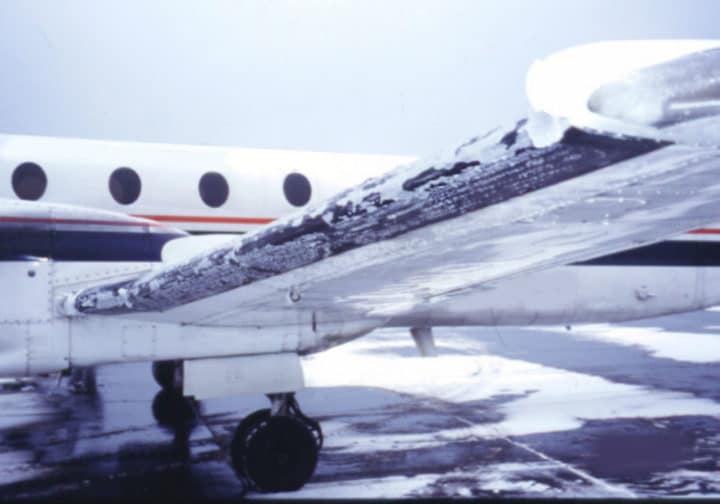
(402, 76)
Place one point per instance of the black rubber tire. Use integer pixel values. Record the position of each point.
(277, 454)
(164, 373)
(171, 409)
(237, 446)
(316, 431)
(312, 424)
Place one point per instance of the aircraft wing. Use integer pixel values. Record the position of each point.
(540, 194)
(497, 207)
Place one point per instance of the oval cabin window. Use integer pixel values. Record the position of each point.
(125, 185)
(213, 189)
(297, 189)
(29, 181)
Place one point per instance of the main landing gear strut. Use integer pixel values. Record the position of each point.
(276, 449)
(273, 450)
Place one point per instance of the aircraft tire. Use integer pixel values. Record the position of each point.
(311, 424)
(237, 449)
(172, 409)
(275, 453)
(165, 373)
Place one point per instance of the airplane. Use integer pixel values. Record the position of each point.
(224, 266)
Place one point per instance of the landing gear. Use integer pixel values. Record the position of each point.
(276, 449)
(168, 374)
(82, 380)
(171, 409)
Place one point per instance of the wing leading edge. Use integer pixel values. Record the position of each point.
(498, 206)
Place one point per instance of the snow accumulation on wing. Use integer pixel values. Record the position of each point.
(484, 171)
(545, 130)
(663, 95)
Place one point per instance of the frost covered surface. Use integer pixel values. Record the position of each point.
(483, 172)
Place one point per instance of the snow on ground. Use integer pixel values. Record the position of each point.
(20, 466)
(548, 399)
(26, 407)
(375, 488)
(685, 483)
(539, 479)
(676, 345)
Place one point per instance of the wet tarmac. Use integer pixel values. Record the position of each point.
(625, 410)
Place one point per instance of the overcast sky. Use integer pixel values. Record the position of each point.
(385, 76)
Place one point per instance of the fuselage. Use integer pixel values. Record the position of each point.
(200, 189)
(204, 190)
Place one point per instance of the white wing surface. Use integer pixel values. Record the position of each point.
(498, 207)
(540, 194)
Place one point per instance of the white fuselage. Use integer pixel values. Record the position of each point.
(78, 172)
(666, 279)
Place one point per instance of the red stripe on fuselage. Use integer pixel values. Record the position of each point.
(705, 231)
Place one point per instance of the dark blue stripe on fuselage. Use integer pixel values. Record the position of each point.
(20, 244)
(667, 253)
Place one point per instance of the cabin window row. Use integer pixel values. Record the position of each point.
(30, 182)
